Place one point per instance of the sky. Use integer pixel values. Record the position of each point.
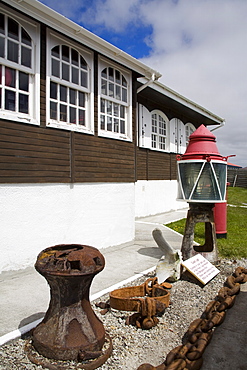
(199, 47)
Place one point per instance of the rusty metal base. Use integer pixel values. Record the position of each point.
(200, 212)
(46, 363)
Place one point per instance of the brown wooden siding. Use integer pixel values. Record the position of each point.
(152, 165)
(30, 154)
(141, 164)
(40, 154)
(103, 160)
(173, 166)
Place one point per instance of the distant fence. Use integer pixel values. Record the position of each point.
(237, 177)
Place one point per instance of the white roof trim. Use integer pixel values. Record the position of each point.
(62, 24)
(164, 90)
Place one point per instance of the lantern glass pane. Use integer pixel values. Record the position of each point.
(188, 175)
(220, 172)
(206, 188)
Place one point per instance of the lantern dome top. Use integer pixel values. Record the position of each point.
(202, 144)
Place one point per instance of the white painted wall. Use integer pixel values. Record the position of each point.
(157, 196)
(34, 217)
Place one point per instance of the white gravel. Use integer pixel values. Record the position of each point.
(131, 346)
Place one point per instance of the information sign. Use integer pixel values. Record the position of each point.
(201, 268)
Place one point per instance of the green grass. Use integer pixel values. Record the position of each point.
(235, 246)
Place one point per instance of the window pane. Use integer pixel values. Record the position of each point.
(111, 74)
(65, 72)
(81, 99)
(82, 117)
(26, 57)
(122, 127)
(111, 90)
(116, 125)
(109, 107)
(2, 23)
(104, 73)
(12, 51)
(25, 38)
(23, 81)
(83, 78)
(63, 93)
(122, 111)
(65, 53)
(124, 95)
(74, 57)
(10, 77)
(55, 70)
(102, 122)
(53, 90)
(23, 103)
(118, 80)
(13, 29)
(55, 51)
(102, 105)
(118, 94)
(124, 82)
(83, 63)
(72, 115)
(63, 113)
(72, 96)
(154, 140)
(75, 75)
(103, 87)
(0, 75)
(162, 143)
(10, 100)
(109, 124)
(53, 110)
(2, 47)
(154, 123)
(116, 110)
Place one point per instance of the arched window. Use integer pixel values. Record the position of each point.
(159, 132)
(17, 70)
(69, 75)
(189, 129)
(69, 95)
(114, 103)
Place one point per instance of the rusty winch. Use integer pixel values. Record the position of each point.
(148, 299)
(70, 329)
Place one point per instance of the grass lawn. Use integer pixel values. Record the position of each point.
(235, 246)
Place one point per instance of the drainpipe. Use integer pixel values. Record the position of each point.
(221, 125)
(149, 82)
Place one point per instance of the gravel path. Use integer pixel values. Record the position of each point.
(131, 346)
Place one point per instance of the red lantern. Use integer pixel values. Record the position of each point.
(202, 171)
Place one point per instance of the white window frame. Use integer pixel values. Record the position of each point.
(127, 136)
(161, 136)
(177, 136)
(33, 30)
(54, 39)
(189, 129)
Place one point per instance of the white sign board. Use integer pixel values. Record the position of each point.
(201, 268)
